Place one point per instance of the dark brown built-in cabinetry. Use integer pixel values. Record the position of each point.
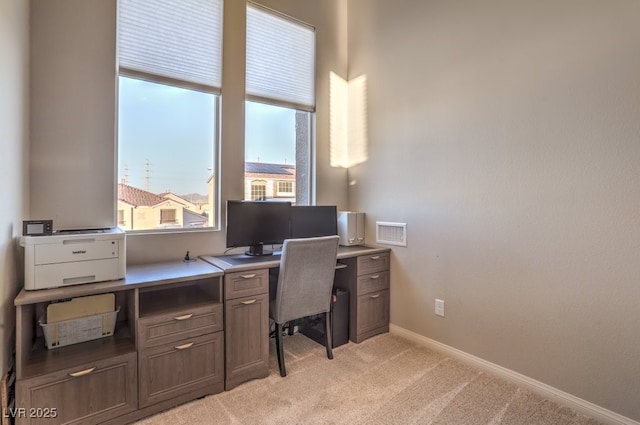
(167, 348)
(247, 330)
(366, 278)
(184, 330)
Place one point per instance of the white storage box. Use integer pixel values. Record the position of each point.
(351, 228)
(67, 332)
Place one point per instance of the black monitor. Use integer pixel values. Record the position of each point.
(257, 223)
(314, 220)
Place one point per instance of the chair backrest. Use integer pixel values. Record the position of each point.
(307, 269)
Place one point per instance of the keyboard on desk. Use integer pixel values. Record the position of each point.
(242, 259)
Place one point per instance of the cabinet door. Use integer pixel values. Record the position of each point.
(247, 339)
(88, 394)
(172, 369)
(372, 315)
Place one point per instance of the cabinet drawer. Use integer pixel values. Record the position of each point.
(373, 282)
(187, 365)
(189, 323)
(373, 263)
(246, 284)
(87, 394)
(57, 275)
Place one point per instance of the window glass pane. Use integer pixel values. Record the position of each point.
(277, 152)
(166, 139)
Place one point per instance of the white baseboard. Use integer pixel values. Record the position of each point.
(587, 408)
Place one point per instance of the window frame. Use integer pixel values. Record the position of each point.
(187, 85)
(310, 179)
(210, 83)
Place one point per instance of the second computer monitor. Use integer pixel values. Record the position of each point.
(314, 220)
(257, 223)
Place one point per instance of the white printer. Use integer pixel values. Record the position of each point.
(73, 257)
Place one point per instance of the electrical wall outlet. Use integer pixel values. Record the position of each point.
(439, 307)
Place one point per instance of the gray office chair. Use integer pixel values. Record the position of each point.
(307, 269)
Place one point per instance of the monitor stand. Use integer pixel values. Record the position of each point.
(257, 250)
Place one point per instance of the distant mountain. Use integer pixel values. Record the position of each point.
(195, 198)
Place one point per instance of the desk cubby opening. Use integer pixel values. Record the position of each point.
(36, 359)
(179, 296)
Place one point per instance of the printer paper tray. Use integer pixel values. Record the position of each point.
(64, 274)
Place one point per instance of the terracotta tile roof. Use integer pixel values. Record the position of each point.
(266, 168)
(178, 198)
(138, 197)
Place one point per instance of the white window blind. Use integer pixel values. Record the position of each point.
(179, 40)
(280, 60)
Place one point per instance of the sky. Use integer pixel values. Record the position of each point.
(270, 134)
(172, 129)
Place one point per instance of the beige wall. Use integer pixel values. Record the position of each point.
(14, 145)
(507, 135)
(73, 112)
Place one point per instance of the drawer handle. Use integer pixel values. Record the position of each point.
(82, 372)
(375, 296)
(375, 257)
(185, 317)
(248, 276)
(183, 346)
(375, 276)
(249, 302)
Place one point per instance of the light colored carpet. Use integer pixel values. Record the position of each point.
(383, 380)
